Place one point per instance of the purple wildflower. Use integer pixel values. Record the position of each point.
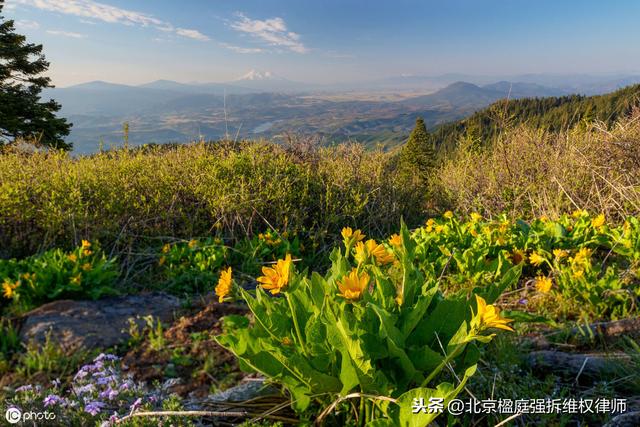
(109, 394)
(26, 387)
(85, 389)
(107, 357)
(52, 399)
(56, 383)
(106, 380)
(523, 301)
(94, 407)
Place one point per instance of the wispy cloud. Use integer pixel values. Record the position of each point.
(25, 24)
(240, 49)
(272, 31)
(110, 14)
(192, 34)
(66, 34)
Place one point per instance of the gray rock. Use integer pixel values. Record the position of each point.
(246, 390)
(94, 324)
(628, 419)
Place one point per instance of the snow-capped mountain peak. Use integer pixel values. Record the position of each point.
(254, 75)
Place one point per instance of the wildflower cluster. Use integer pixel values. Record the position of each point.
(99, 394)
(575, 266)
(84, 272)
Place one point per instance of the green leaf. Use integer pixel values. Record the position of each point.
(510, 278)
(395, 343)
(411, 316)
(405, 416)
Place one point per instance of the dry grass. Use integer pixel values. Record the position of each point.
(528, 173)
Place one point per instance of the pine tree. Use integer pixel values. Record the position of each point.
(418, 155)
(22, 113)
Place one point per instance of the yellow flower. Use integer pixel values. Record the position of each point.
(473, 232)
(162, 260)
(578, 213)
(72, 257)
(578, 274)
(86, 266)
(598, 221)
(77, 279)
(8, 288)
(544, 218)
(582, 256)
(351, 236)
(29, 276)
(448, 214)
(475, 217)
(536, 259)
(489, 316)
(543, 284)
(87, 252)
(166, 248)
(395, 240)
(353, 285)
(223, 288)
(372, 248)
(86, 244)
(559, 253)
(439, 228)
(286, 341)
(276, 278)
(430, 222)
(193, 243)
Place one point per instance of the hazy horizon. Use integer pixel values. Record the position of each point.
(135, 42)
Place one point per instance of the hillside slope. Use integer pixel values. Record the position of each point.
(550, 114)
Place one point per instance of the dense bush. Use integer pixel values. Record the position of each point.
(126, 197)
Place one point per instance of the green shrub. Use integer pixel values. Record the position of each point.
(130, 199)
(84, 272)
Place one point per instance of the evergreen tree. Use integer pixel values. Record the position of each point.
(22, 113)
(418, 155)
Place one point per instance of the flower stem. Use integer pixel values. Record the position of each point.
(295, 325)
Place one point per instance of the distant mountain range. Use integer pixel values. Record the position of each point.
(262, 104)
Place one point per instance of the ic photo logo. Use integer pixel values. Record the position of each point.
(13, 415)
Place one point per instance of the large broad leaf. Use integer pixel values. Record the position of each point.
(268, 316)
(510, 278)
(411, 315)
(356, 368)
(444, 320)
(318, 291)
(404, 416)
(395, 344)
(424, 358)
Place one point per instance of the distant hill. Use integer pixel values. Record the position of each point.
(468, 95)
(549, 113)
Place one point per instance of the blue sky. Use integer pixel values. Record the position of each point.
(327, 41)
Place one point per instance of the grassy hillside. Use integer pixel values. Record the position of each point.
(548, 114)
